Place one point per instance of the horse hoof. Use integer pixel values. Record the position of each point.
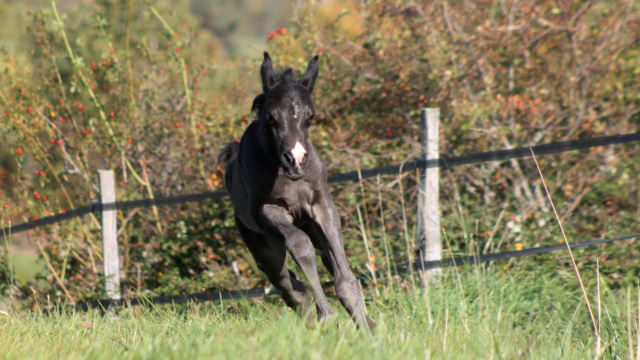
(370, 322)
(323, 319)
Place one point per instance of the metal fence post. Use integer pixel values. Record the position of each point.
(429, 198)
(109, 236)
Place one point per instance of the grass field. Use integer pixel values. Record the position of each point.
(469, 315)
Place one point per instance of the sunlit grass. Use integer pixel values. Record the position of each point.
(483, 315)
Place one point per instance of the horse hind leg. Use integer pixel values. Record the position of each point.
(271, 258)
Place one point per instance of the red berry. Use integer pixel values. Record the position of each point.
(204, 71)
(36, 218)
(53, 141)
(175, 35)
(6, 206)
(44, 198)
(62, 119)
(60, 142)
(80, 107)
(197, 79)
(59, 102)
(177, 124)
(28, 110)
(104, 63)
(20, 151)
(93, 64)
(185, 24)
(111, 50)
(271, 34)
(178, 51)
(130, 141)
(112, 115)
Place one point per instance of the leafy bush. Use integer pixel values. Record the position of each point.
(140, 90)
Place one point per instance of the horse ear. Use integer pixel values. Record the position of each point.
(268, 76)
(309, 79)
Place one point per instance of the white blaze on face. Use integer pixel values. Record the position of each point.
(298, 152)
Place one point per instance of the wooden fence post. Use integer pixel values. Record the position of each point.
(109, 236)
(429, 198)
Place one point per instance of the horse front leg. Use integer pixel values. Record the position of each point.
(278, 225)
(271, 257)
(328, 230)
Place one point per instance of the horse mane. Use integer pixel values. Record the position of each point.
(286, 75)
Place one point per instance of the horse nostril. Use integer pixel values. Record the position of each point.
(305, 160)
(287, 159)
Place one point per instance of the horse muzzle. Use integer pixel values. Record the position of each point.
(294, 162)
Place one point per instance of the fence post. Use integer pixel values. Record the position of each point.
(429, 197)
(110, 257)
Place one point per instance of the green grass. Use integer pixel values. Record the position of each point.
(478, 315)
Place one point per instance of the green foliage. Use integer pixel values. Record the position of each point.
(504, 75)
(140, 88)
(101, 95)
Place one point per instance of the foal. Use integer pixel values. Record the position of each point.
(281, 202)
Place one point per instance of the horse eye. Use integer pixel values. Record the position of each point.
(271, 120)
(310, 119)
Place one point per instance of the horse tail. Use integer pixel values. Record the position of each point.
(228, 153)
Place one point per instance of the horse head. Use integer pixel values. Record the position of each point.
(285, 113)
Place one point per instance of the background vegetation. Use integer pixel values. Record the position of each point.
(153, 89)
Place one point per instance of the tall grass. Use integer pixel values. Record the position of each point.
(486, 315)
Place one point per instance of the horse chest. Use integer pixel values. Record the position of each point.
(296, 198)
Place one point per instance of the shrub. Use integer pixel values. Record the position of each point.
(143, 91)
